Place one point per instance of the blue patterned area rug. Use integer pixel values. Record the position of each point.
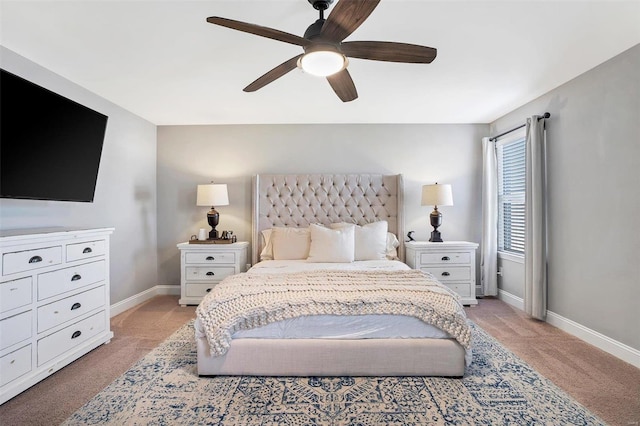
(164, 389)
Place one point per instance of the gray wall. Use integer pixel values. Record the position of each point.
(593, 140)
(125, 196)
(191, 155)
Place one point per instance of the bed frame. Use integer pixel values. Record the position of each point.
(300, 200)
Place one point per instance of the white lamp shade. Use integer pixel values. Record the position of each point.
(213, 194)
(322, 63)
(437, 195)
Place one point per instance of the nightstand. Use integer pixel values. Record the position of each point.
(453, 263)
(202, 266)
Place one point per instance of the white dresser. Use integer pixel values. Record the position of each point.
(54, 301)
(453, 263)
(202, 266)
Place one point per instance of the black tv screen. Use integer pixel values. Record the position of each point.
(50, 146)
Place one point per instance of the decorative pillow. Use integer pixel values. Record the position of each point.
(290, 243)
(371, 239)
(267, 245)
(331, 245)
(392, 244)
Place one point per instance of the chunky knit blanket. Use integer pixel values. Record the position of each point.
(246, 301)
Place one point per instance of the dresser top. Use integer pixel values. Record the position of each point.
(57, 231)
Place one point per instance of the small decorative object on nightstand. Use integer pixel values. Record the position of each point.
(436, 195)
(212, 195)
(202, 266)
(453, 263)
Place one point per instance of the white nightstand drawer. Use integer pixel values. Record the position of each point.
(85, 250)
(29, 260)
(198, 290)
(69, 308)
(14, 294)
(66, 339)
(15, 364)
(208, 273)
(452, 273)
(213, 258)
(464, 290)
(15, 329)
(445, 258)
(64, 280)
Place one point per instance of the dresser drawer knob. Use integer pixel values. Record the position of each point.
(35, 259)
(75, 306)
(210, 258)
(445, 274)
(76, 277)
(76, 334)
(87, 250)
(445, 258)
(208, 290)
(210, 274)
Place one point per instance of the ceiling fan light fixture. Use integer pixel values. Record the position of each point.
(323, 63)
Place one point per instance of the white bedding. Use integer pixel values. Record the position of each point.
(336, 326)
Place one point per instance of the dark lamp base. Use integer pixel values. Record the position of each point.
(435, 237)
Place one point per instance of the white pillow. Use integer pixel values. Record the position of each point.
(331, 245)
(371, 239)
(290, 243)
(267, 245)
(392, 244)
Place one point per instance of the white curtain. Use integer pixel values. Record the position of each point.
(535, 249)
(489, 244)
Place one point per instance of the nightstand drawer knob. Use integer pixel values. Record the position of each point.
(210, 258)
(208, 290)
(445, 258)
(76, 277)
(35, 259)
(445, 274)
(210, 274)
(76, 334)
(87, 250)
(76, 306)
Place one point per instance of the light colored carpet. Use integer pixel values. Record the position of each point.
(498, 388)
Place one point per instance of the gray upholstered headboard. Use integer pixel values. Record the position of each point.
(300, 200)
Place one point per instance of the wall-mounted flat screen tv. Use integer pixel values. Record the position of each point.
(50, 146)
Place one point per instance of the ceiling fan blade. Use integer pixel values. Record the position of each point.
(346, 17)
(274, 74)
(342, 84)
(259, 30)
(389, 51)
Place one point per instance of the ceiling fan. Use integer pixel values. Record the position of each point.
(325, 52)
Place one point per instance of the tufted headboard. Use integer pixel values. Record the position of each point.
(300, 200)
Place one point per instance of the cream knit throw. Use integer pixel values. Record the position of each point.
(246, 301)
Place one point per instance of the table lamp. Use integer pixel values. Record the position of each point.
(213, 194)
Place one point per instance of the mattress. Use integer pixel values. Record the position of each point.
(338, 326)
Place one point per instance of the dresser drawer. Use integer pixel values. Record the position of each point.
(452, 273)
(86, 250)
(15, 364)
(29, 260)
(208, 273)
(15, 329)
(69, 308)
(68, 279)
(66, 339)
(212, 257)
(198, 290)
(464, 290)
(14, 294)
(445, 258)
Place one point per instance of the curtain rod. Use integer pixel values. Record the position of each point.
(493, 138)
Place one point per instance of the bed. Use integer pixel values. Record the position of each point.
(383, 333)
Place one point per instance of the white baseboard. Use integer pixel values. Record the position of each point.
(599, 340)
(136, 299)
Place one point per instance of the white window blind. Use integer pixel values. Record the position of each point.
(511, 196)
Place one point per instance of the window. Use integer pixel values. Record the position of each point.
(511, 195)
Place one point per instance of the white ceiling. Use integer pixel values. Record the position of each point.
(162, 61)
